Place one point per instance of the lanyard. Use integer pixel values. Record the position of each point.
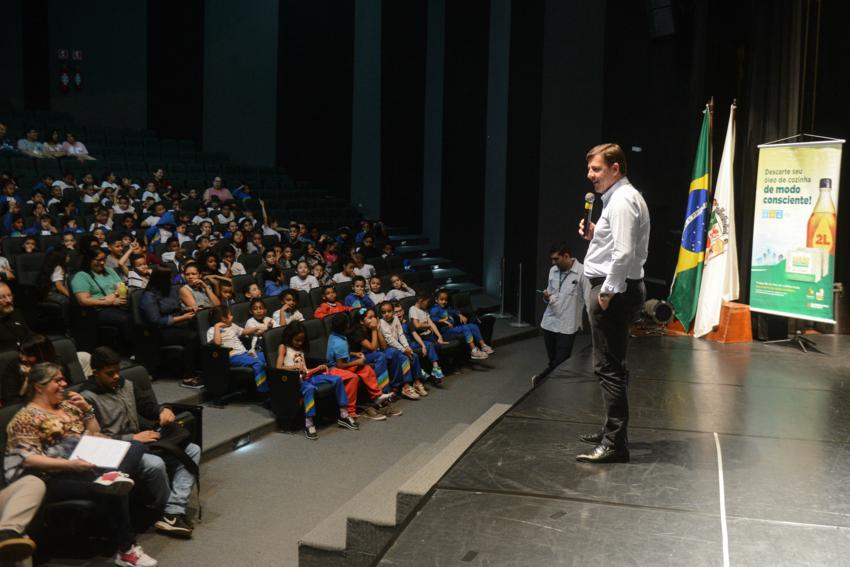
(563, 277)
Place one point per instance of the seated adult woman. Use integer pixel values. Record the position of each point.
(160, 308)
(43, 435)
(196, 293)
(95, 286)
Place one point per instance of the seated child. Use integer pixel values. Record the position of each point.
(453, 324)
(288, 312)
(375, 293)
(303, 280)
(391, 365)
(224, 332)
(321, 275)
(361, 268)
(420, 319)
(344, 362)
(253, 291)
(396, 341)
(330, 305)
(423, 349)
(358, 298)
(346, 274)
(290, 356)
(260, 321)
(274, 284)
(399, 290)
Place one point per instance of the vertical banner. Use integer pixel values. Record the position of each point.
(794, 229)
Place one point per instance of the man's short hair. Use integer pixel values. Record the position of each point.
(560, 248)
(611, 153)
(103, 356)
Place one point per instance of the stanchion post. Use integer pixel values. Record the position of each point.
(519, 322)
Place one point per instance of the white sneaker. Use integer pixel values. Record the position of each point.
(135, 557)
(478, 354)
(488, 349)
(114, 482)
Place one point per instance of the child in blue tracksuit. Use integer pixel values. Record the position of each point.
(290, 356)
(225, 333)
(397, 341)
(344, 362)
(365, 336)
(423, 348)
(453, 324)
(358, 298)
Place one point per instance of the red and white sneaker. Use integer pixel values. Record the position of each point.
(135, 557)
(114, 482)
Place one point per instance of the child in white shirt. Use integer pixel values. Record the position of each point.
(393, 334)
(399, 290)
(375, 293)
(261, 322)
(303, 280)
(225, 333)
(288, 311)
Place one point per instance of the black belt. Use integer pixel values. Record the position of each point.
(599, 281)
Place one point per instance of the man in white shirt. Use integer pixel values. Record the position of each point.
(564, 295)
(613, 266)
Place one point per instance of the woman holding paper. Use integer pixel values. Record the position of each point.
(42, 438)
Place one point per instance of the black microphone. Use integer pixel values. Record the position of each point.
(589, 198)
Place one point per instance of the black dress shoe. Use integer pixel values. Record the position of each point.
(603, 454)
(592, 438)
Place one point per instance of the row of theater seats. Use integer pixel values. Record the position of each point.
(69, 528)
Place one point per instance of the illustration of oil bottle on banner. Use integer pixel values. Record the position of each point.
(814, 262)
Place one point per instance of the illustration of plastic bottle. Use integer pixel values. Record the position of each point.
(821, 229)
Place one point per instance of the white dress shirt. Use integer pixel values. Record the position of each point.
(620, 242)
(567, 293)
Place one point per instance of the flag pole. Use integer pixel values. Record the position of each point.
(710, 106)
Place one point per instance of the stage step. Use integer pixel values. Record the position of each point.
(443, 274)
(371, 519)
(416, 250)
(463, 286)
(430, 261)
(338, 540)
(408, 239)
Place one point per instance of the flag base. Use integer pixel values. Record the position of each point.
(735, 324)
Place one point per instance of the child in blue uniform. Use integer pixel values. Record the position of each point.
(424, 349)
(290, 356)
(453, 324)
(358, 298)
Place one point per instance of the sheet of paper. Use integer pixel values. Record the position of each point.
(103, 452)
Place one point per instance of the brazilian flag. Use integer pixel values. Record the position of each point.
(684, 293)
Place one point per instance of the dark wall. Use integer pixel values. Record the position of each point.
(522, 175)
(113, 37)
(315, 65)
(176, 83)
(240, 79)
(12, 48)
(464, 132)
(403, 105)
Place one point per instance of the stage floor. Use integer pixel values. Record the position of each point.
(781, 419)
